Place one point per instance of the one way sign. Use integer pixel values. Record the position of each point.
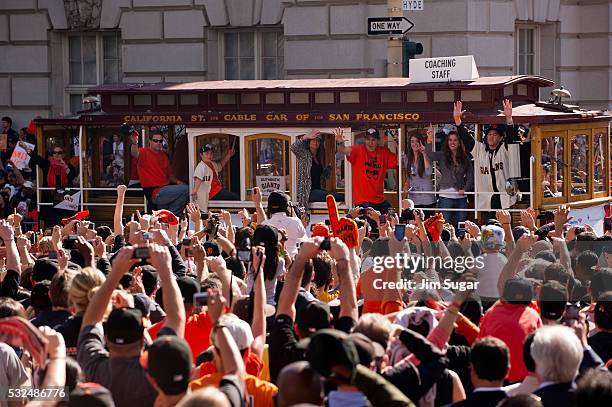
(388, 25)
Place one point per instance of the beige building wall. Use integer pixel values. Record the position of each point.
(182, 40)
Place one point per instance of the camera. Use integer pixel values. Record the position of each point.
(141, 253)
(572, 311)
(92, 225)
(187, 246)
(212, 226)
(146, 236)
(325, 244)
(69, 242)
(410, 214)
(33, 239)
(204, 215)
(461, 230)
(200, 299)
(363, 211)
(244, 250)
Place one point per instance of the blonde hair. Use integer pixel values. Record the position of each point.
(83, 287)
(45, 245)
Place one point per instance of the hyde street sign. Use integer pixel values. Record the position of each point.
(388, 25)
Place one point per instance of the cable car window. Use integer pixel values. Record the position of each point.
(268, 163)
(113, 160)
(599, 175)
(389, 138)
(579, 165)
(552, 167)
(225, 163)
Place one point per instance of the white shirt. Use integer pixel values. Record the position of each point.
(506, 163)
(488, 275)
(294, 227)
(206, 174)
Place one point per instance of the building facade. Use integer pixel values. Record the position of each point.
(51, 51)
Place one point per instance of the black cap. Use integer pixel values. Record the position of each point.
(188, 287)
(211, 249)
(499, 128)
(278, 202)
(518, 290)
(90, 395)
(601, 282)
(314, 316)
(266, 236)
(553, 297)
(206, 147)
(327, 348)
(124, 326)
(373, 133)
(144, 304)
(367, 349)
(44, 269)
(169, 362)
(149, 278)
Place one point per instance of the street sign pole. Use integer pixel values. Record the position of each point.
(394, 44)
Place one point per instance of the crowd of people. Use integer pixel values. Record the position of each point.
(193, 310)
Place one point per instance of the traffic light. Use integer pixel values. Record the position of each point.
(409, 50)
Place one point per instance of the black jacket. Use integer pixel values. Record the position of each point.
(557, 395)
(482, 399)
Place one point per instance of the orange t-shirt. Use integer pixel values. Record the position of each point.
(153, 169)
(261, 391)
(369, 169)
(197, 332)
(215, 185)
(253, 365)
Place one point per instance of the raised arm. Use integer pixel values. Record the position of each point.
(222, 338)
(511, 267)
(173, 301)
(118, 216)
(134, 144)
(288, 295)
(465, 137)
(341, 146)
(258, 326)
(12, 253)
(348, 295)
(230, 153)
(256, 198)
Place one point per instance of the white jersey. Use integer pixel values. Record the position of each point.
(505, 163)
(206, 174)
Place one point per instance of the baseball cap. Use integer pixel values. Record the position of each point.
(313, 316)
(206, 147)
(519, 231)
(278, 201)
(188, 287)
(553, 297)
(373, 133)
(320, 229)
(265, 235)
(492, 237)
(149, 278)
(165, 216)
(327, 348)
(44, 269)
(518, 290)
(124, 326)
(90, 395)
(144, 304)
(169, 362)
(367, 350)
(240, 330)
(499, 128)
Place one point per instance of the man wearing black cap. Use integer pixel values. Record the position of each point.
(369, 165)
(169, 363)
(495, 160)
(278, 207)
(206, 184)
(119, 369)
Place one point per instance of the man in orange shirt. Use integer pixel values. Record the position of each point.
(160, 185)
(369, 163)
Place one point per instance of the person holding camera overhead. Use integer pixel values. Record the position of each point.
(160, 185)
(206, 184)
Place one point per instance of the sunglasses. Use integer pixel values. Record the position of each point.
(157, 140)
(58, 152)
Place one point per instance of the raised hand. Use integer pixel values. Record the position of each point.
(312, 134)
(256, 196)
(472, 228)
(457, 112)
(508, 110)
(526, 241)
(503, 217)
(121, 190)
(527, 220)
(216, 304)
(339, 135)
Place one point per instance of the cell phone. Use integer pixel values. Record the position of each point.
(200, 299)
(325, 244)
(400, 231)
(363, 211)
(461, 225)
(109, 248)
(244, 255)
(141, 253)
(383, 219)
(52, 254)
(92, 225)
(146, 236)
(33, 238)
(186, 244)
(571, 311)
(69, 242)
(204, 215)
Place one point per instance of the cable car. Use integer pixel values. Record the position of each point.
(565, 159)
